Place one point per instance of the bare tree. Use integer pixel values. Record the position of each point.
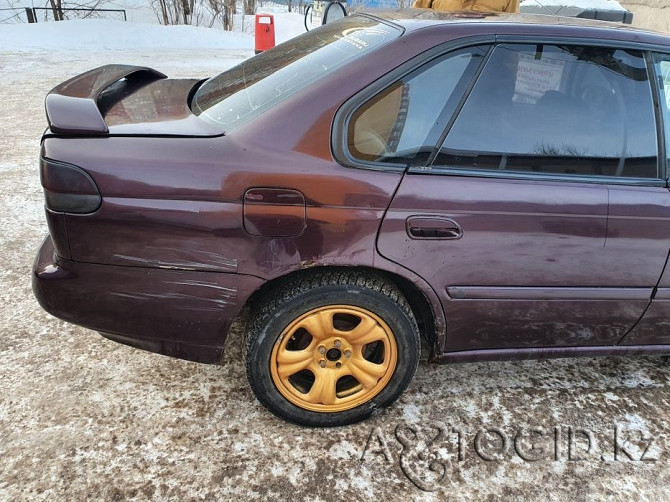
(57, 9)
(215, 7)
(228, 14)
(195, 12)
(225, 10)
(250, 7)
(169, 11)
(187, 10)
(161, 9)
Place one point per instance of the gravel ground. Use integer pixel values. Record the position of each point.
(82, 417)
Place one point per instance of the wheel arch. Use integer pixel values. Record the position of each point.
(428, 320)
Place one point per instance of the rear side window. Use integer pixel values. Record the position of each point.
(560, 109)
(404, 121)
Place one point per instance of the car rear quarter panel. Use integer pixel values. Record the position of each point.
(184, 208)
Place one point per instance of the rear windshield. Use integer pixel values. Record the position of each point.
(238, 95)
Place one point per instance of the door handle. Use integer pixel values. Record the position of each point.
(433, 227)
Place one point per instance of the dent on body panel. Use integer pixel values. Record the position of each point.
(158, 233)
(333, 236)
(185, 295)
(345, 233)
(275, 255)
(344, 206)
(341, 232)
(149, 303)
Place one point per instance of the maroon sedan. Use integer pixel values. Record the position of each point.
(495, 185)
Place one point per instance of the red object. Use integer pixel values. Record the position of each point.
(265, 32)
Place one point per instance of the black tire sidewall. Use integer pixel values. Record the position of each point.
(261, 345)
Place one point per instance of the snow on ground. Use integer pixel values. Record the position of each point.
(90, 34)
(137, 11)
(95, 34)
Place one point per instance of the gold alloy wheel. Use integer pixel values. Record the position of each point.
(333, 358)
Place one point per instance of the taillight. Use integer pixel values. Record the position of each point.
(68, 188)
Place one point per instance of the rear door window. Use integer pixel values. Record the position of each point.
(558, 109)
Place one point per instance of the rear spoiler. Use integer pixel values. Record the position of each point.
(78, 105)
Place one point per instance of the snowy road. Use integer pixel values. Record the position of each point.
(85, 418)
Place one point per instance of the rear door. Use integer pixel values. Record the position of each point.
(537, 221)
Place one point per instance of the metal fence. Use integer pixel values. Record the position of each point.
(13, 15)
(45, 14)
